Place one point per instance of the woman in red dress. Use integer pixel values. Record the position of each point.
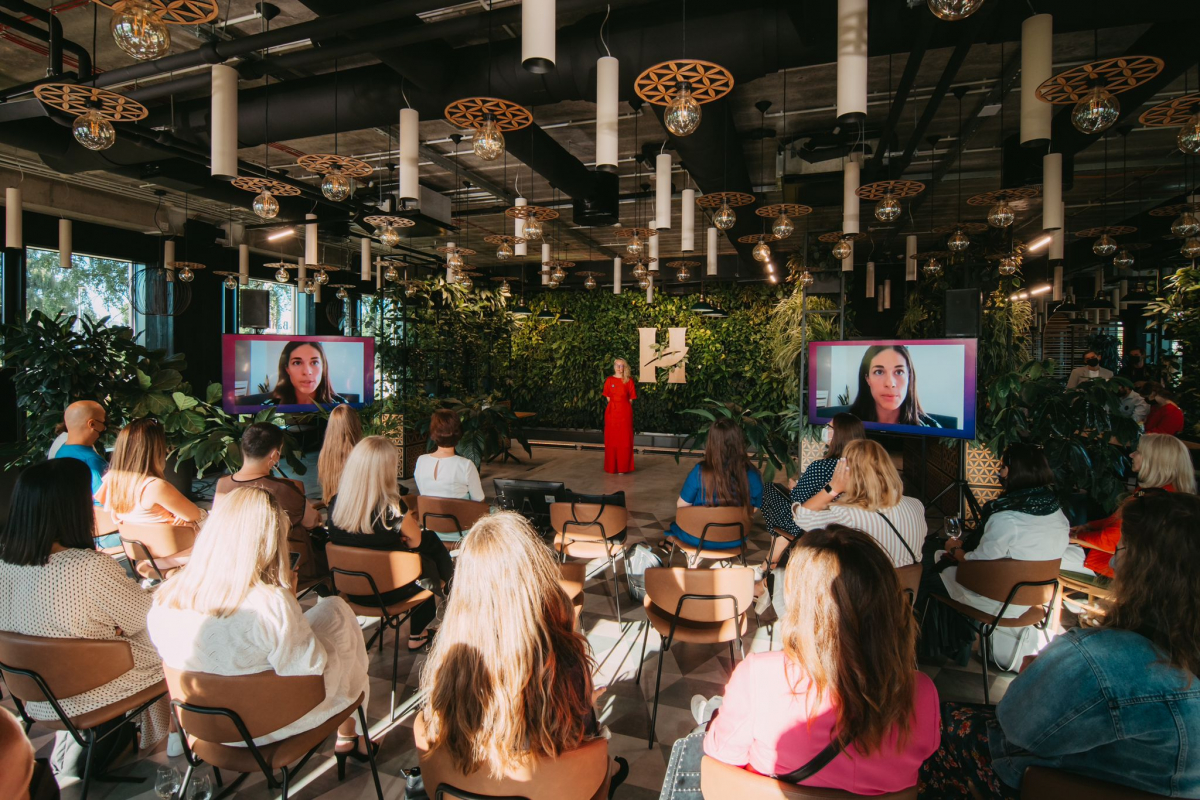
(618, 419)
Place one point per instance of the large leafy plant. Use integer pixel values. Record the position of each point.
(759, 427)
(1177, 315)
(488, 425)
(211, 438)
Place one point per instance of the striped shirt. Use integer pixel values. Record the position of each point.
(908, 516)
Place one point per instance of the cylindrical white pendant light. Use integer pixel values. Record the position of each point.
(302, 271)
(379, 274)
(910, 263)
(310, 240)
(851, 175)
(410, 139)
(1037, 56)
(687, 222)
(317, 292)
(1052, 202)
(64, 243)
(848, 261)
(169, 258)
(520, 249)
(879, 299)
(650, 290)
(1056, 293)
(711, 250)
(870, 279)
(545, 258)
(364, 267)
(243, 264)
(662, 192)
(851, 60)
(14, 235)
(1058, 238)
(617, 275)
(608, 79)
(537, 35)
(223, 136)
(652, 247)
(449, 271)
(887, 294)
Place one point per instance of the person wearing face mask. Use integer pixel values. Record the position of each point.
(1165, 416)
(1091, 370)
(1134, 366)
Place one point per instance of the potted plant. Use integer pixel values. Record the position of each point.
(769, 447)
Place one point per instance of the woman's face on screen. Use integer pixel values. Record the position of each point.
(304, 369)
(888, 378)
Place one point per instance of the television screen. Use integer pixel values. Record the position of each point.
(919, 386)
(296, 373)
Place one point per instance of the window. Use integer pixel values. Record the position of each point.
(281, 307)
(94, 286)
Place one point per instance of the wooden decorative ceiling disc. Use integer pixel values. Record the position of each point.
(340, 286)
(1172, 112)
(1111, 230)
(1008, 195)
(1136, 246)
(503, 239)
(1117, 75)
(708, 81)
(755, 238)
(641, 233)
(254, 184)
(462, 251)
(325, 163)
(717, 199)
(278, 265)
(388, 221)
(898, 189)
(835, 236)
(175, 12)
(791, 209)
(1171, 211)
(939, 254)
(225, 273)
(77, 100)
(531, 212)
(587, 273)
(965, 227)
(192, 265)
(556, 262)
(322, 267)
(471, 112)
(682, 264)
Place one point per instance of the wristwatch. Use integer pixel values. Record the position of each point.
(829, 488)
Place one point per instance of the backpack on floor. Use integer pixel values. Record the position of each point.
(641, 557)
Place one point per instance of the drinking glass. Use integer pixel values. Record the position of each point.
(200, 788)
(166, 783)
(953, 527)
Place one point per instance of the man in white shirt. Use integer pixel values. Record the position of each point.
(1133, 405)
(1089, 371)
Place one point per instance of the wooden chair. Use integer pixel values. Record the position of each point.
(212, 710)
(1043, 783)
(373, 573)
(40, 669)
(697, 606)
(573, 577)
(712, 524)
(448, 517)
(718, 779)
(157, 551)
(1010, 582)
(1097, 600)
(910, 580)
(579, 774)
(591, 531)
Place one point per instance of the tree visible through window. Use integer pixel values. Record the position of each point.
(94, 286)
(281, 307)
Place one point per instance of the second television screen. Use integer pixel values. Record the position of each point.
(919, 386)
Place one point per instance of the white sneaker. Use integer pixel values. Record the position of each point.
(174, 744)
(764, 600)
(699, 701)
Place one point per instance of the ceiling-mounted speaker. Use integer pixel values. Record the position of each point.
(601, 206)
(964, 313)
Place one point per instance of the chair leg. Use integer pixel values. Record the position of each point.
(362, 719)
(642, 659)
(284, 796)
(657, 682)
(732, 657)
(217, 777)
(395, 667)
(87, 764)
(616, 592)
(984, 647)
(187, 779)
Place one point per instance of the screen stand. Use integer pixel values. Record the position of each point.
(966, 498)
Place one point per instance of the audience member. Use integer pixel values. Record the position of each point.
(843, 685)
(84, 421)
(1161, 462)
(53, 583)
(724, 477)
(1091, 370)
(135, 489)
(1117, 703)
(343, 431)
(442, 473)
(508, 678)
(233, 611)
(367, 513)
(777, 506)
(1165, 415)
(1133, 405)
(1024, 523)
(16, 759)
(1134, 366)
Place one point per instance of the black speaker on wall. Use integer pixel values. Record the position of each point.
(255, 308)
(964, 313)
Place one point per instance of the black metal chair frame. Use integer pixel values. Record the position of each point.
(618, 539)
(149, 556)
(445, 790)
(86, 738)
(670, 637)
(693, 560)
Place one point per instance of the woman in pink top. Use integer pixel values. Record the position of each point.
(845, 672)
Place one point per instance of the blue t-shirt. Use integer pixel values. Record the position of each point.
(693, 493)
(89, 456)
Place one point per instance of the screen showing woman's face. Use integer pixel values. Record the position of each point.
(304, 369)
(888, 378)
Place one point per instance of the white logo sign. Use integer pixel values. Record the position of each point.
(672, 357)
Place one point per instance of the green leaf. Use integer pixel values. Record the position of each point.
(184, 402)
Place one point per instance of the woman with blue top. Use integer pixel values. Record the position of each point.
(724, 478)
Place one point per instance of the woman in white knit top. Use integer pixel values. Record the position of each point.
(442, 473)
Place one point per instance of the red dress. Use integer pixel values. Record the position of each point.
(618, 425)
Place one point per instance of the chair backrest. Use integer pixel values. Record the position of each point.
(160, 540)
(574, 574)
(68, 666)
(580, 774)
(390, 569)
(714, 523)
(910, 579)
(1043, 783)
(264, 701)
(450, 515)
(666, 586)
(588, 520)
(996, 579)
(718, 779)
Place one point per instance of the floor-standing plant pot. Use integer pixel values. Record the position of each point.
(181, 475)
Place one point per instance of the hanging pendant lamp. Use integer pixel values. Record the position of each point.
(1092, 89)
(141, 28)
(95, 110)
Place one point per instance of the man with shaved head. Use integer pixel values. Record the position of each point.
(85, 421)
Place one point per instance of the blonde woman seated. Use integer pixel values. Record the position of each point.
(343, 431)
(508, 679)
(367, 513)
(233, 611)
(135, 489)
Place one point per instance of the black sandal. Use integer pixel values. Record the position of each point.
(423, 639)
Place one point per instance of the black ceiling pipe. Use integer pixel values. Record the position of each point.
(62, 43)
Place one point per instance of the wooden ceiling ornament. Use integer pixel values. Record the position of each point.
(836, 236)
(386, 221)
(965, 227)
(1008, 195)
(77, 100)
(1117, 75)
(899, 189)
(174, 12)
(250, 183)
(472, 112)
(708, 81)
(531, 212)
(755, 238)
(1101, 230)
(325, 163)
(1175, 111)
(717, 199)
(1172, 211)
(790, 209)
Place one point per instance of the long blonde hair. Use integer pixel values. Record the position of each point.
(1165, 460)
(371, 494)
(140, 453)
(874, 482)
(243, 546)
(343, 431)
(518, 686)
(627, 376)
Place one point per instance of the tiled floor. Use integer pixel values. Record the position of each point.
(625, 708)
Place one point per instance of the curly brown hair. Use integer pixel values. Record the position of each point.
(1157, 585)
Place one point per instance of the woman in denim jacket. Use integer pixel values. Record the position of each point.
(1119, 703)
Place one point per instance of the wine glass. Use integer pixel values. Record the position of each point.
(166, 782)
(953, 528)
(200, 788)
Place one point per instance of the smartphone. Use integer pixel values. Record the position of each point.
(295, 560)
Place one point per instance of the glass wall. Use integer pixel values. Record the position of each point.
(94, 286)
(281, 307)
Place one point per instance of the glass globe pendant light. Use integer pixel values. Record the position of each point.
(1096, 112)
(282, 275)
(1189, 135)
(488, 143)
(1191, 248)
(644, 283)
(1104, 246)
(888, 208)
(265, 205)
(842, 249)
(1008, 265)
(454, 261)
(634, 248)
(390, 274)
(466, 283)
(639, 269)
(954, 10)
(589, 283)
(958, 241)
(933, 268)
(342, 294)
(230, 282)
(93, 131)
(725, 218)
(410, 290)
(806, 279)
(1123, 259)
(684, 274)
(139, 32)
(1001, 215)
(336, 186)
(682, 116)
(321, 278)
(532, 231)
(389, 236)
(1185, 225)
(310, 287)
(505, 289)
(761, 251)
(558, 274)
(504, 252)
(782, 227)
(186, 275)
